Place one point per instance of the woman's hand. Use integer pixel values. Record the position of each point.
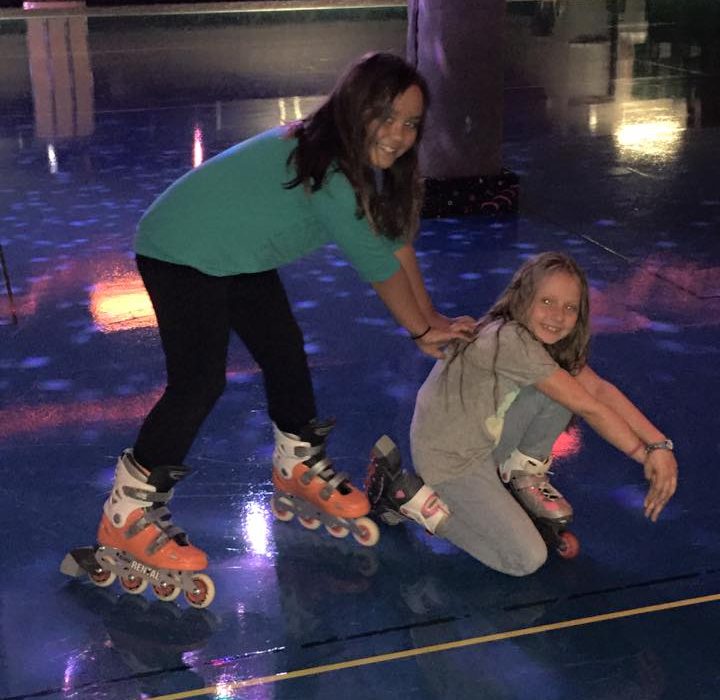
(400, 294)
(432, 342)
(661, 471)
(441, 322)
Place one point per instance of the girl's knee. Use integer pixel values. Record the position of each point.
(530, 561)
(522, 559)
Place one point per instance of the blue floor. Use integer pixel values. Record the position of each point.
(612, 124)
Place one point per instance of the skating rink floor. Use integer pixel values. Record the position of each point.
(611, 122)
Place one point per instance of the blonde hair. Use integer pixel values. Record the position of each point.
(571, 353)
(514, 305)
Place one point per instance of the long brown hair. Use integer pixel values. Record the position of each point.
(336, 136)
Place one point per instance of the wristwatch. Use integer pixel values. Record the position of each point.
(662, 445)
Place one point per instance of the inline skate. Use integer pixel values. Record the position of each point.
(396, 494)
(527, 480)
(138, 542)
(306, 485)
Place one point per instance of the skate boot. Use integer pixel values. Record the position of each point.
(307, 485)
(527, 480)
(138, 542)
(398, 495)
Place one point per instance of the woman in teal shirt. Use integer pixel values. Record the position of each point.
(208, 250)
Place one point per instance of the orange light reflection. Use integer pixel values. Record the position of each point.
(121, 304)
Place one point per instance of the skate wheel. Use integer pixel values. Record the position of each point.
(337, 531)
(280, 511)
(204, 592)
(133, 584)
(103, 578)
(309, 523)
(166, 592)
(568, 546)
(369, 533)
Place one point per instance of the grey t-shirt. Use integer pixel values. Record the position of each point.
(461, 406)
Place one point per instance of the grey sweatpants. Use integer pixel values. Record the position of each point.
(485, 520)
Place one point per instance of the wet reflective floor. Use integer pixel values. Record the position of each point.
(611, 122)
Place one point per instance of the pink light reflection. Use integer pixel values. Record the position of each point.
(660, 286)
(198, 151)
(568, 443)
(32, 419)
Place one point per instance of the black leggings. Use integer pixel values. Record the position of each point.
(195, 313)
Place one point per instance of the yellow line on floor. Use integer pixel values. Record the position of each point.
(434, 648)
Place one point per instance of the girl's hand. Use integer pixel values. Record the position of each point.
(661, 471)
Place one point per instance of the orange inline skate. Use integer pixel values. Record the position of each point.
(138, 542)
(306, 485)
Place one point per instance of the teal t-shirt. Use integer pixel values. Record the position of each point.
(232, 215)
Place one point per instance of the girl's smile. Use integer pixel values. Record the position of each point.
(395, 134)
(555, 307)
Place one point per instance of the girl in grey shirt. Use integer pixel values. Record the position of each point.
(490, 412)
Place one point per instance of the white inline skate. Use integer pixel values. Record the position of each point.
(138, 542)
(306, 485)
(527, 480)
(398, 495)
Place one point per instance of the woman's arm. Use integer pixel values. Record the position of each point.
(408, 260)
(397, 294)
(615, 418)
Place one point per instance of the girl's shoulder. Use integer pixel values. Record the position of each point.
(509, 349)
(508, 339)
(506, 331)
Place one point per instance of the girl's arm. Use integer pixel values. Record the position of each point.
(615, 418)
(397, 294)
(609, 395)
(408, 260)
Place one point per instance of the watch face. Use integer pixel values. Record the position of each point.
(663, 445)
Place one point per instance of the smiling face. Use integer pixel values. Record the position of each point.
(393, 135)
(554, 310)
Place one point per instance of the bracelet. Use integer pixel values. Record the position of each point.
(420, 335)
(635, 449)
(662, 445)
